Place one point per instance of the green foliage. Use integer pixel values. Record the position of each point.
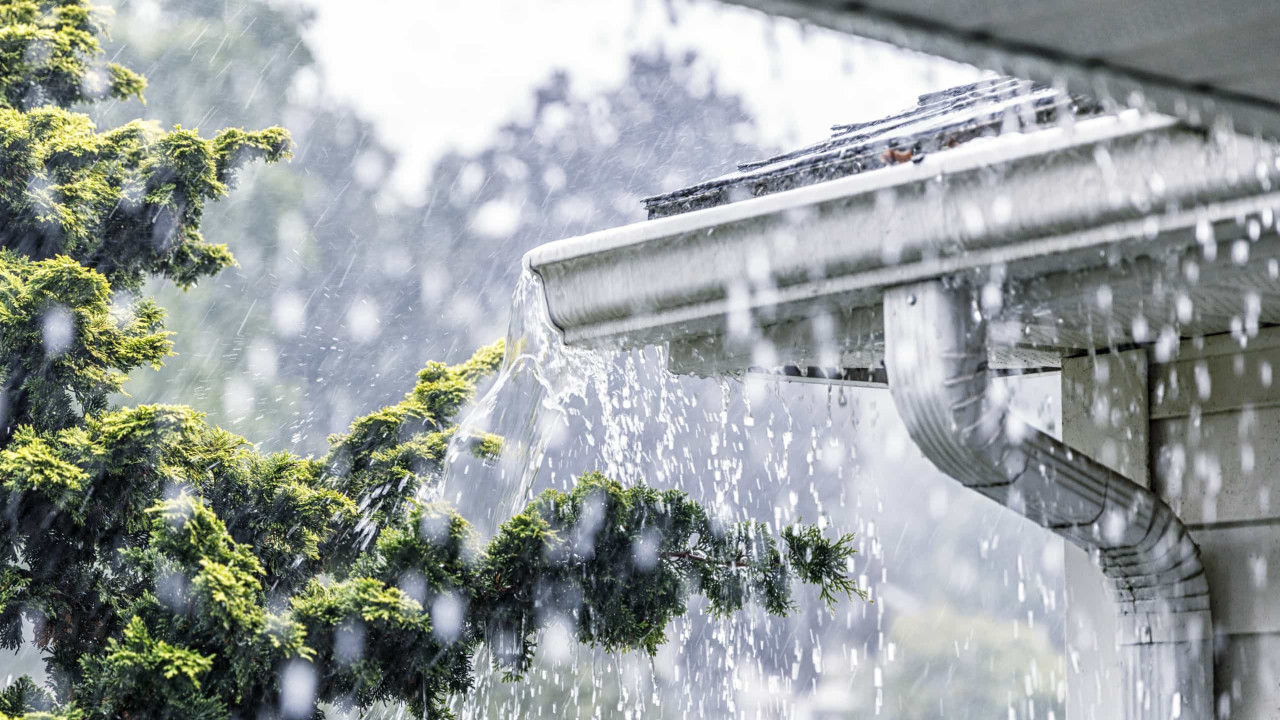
(820, 562)
(170, 569)
(24, 695)
(622, 561)
(66, 351)
(378, 645)
(138, 669)
(50, 55)
(126, 202)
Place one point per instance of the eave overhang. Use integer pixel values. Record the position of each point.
(1202, 62)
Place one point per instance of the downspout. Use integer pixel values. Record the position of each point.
(935, 354)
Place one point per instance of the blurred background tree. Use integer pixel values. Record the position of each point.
(971, 667)
(338, 278)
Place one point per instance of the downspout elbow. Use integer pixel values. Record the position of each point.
(935, 354)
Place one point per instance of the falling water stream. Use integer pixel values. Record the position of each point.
(526, 405)
(747, 449)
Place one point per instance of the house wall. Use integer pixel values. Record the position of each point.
(1204, 432)
(1215, 456)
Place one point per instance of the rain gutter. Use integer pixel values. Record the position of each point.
(935, 351)
(1061, 198)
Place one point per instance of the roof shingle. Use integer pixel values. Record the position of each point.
(939, 121)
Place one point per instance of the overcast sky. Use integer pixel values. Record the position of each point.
(439, 73)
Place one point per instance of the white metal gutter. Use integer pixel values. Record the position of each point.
(935, 353)
(1077, 197)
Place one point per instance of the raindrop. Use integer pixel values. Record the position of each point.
(447, 617)
(1240, 252)
(58, 330)
(298, 689)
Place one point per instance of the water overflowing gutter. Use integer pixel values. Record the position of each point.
(935, 351)
(900, 255)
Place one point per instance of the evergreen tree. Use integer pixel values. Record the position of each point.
(172, 570)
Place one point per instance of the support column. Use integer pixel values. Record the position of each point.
(1104, 414)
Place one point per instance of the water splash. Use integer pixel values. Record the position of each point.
(527, 405)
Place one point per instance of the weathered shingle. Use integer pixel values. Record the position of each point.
(939, 121)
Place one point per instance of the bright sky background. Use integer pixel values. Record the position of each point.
(439, 73)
